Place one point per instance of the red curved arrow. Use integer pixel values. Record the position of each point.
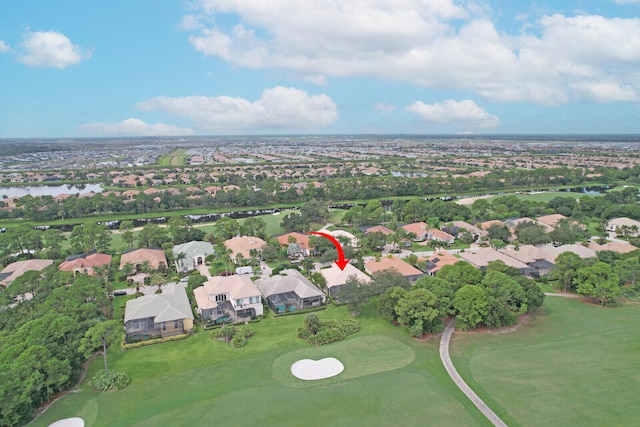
(340, 262)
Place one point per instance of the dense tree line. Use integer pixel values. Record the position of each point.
(606, 279)
(493, 298)
(41, 338)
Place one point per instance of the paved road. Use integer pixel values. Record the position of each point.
(561, 294)
(453, 373)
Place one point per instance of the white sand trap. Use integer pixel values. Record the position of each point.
(308, 369)
(69, 422)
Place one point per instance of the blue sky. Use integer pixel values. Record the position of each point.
(72, 68)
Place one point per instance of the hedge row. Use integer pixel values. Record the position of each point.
(124, 346)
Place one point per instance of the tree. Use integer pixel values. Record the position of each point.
(386, 279)
(628, 270)
(388, 301)
(599, 282)
(421, 311)
(565, 270)
(178, 258)
(312, 323)
(126, 228)
(102, 334)
(460, 274)
(471, 305)
(157, 280)
(54, 239)
(499, 232)
(530, 233)
(152, 235)
(355, 293)
(566, 232)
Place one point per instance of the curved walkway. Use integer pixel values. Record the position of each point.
(455, 376)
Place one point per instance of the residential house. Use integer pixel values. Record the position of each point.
(551, 220)
(302, 240)
(379, 229)
(84, 264)
(137, 258)
(484, 256)
(159, 315)
(228, 299)
(290, 291)
(456, 227)
(194, 254)
(615, 246)
(336, 278)
(342, 235)
(438, 260)
(16, 269)
(395, 264)
(624, 226)
(419, 229)
(243, 246)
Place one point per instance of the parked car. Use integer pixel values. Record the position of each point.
(184, 279)
(119, 293)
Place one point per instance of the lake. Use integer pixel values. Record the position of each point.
(50, 190)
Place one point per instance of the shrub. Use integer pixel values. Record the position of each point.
(109, 381)
(236, 336)
(328, 331)
(238, 341)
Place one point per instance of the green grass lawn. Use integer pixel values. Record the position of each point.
(389, 379)
(574, 365)
(550, 195)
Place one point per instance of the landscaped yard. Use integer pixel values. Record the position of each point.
(389, 379)
(574, 365)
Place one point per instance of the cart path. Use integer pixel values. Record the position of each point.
(455, 376)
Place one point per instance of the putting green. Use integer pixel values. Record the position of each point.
(360, 356)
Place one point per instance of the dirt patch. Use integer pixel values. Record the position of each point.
(522, 320)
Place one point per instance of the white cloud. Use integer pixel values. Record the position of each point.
(4, 47)
(627, 1)
(440, 44)
(279, 108)
(50, 49)
(383, 106)
(464, 114)
(134, 127)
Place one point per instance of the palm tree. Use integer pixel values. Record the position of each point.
(308, 264)
(158, 280)
(178, 258)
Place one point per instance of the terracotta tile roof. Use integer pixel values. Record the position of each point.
(138, 256)
(85, 262)
(16, 269)
(396, 264)
(243, 245)
(301, 239)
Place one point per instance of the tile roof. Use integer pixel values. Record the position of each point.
(171, 304)
(138, 256)
(337, 277)
(288, 281)
(243, 245)
(396, 264)
(16, 269)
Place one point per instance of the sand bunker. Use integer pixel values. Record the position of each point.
(69, 422)
(308, 369)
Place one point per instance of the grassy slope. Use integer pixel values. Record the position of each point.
(575, 364)
(389, 379)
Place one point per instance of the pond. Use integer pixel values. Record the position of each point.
(50, 190)
(590, 190)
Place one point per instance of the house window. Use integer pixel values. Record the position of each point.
(164, 326)
(221, 297)
(175, 324)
